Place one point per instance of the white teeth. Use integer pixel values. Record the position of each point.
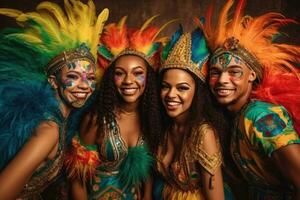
(224, 91)
(80, 94)
(172, 103)
(129, 91)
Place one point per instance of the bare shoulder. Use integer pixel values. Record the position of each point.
(88, 129)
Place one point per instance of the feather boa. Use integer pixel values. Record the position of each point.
(135, 168)
(21, 114)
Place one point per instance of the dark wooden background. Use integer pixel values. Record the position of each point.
(140, 10)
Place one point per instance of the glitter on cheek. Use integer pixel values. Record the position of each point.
(118, 78)
(67, 83)
(141, 79)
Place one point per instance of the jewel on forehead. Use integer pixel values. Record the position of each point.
(224, 59)
(231, 43)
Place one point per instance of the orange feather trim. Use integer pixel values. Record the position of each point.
(81, 162)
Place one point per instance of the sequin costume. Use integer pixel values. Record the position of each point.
(182, 180)
(111, 170)
(46, 41)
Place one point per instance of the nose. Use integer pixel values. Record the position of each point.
(83, 84)
(128, 79)
(171, 93)
(224, 78)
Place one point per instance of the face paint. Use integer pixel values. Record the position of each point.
(230, 82)
(130, 77)
(76, 82)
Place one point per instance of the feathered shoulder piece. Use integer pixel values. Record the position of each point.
(21, 114)
(117, 40)
(252, 39)
(187, 51)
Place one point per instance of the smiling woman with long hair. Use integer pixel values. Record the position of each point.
(122, 127)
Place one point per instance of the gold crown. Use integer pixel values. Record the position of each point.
(180, 57)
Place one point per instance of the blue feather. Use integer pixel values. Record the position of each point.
(23, 106)
(175, 37)
(200, 51)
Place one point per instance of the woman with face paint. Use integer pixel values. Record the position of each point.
(189, 158)
(46, 71)
(121, 130)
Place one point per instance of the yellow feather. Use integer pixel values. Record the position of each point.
(56, 11)
(10, 12)
(122, 22)
(146, 24)
(164, 26)
(102, 18)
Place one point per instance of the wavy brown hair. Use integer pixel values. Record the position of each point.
(108, 99)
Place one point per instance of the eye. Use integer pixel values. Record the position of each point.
(138, 73)
(91, 78)
(72, 76)
(214, 73)
(235, 72)
(165, 86)
(182, 88)
(118, 73)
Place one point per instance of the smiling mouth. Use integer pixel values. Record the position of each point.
(224, 92)
(80, 95)
(172, 105)
(129, 91)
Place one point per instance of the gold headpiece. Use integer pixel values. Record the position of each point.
(187, 51)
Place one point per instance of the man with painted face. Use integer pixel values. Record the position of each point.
(47, 69)
(251, 77)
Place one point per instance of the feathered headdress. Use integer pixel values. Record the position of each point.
(46, 40)
(58, 37)
(187, 51)
(118, 40)
(251, 39)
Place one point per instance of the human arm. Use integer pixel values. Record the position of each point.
(276, 138)
(210, 159)
(37, 149)
(288, 161)
(148, 186)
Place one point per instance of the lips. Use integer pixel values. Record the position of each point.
(80, 95)
(224, 92)
(129, 91)
(172, 105)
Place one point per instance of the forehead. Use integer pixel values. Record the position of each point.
(226, 60)
(79, 66)
(128, 62)
(175, 76)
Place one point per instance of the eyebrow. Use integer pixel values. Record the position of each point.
(137, 67)
(76, 72)
(182, 83)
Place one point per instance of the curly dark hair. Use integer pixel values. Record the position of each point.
(108, 99)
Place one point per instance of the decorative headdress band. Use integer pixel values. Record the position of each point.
(130, 51)
(232, 46)
(67, 57)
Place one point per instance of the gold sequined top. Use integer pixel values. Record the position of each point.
(184, 170)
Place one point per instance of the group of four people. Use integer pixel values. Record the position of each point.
(148, 123)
